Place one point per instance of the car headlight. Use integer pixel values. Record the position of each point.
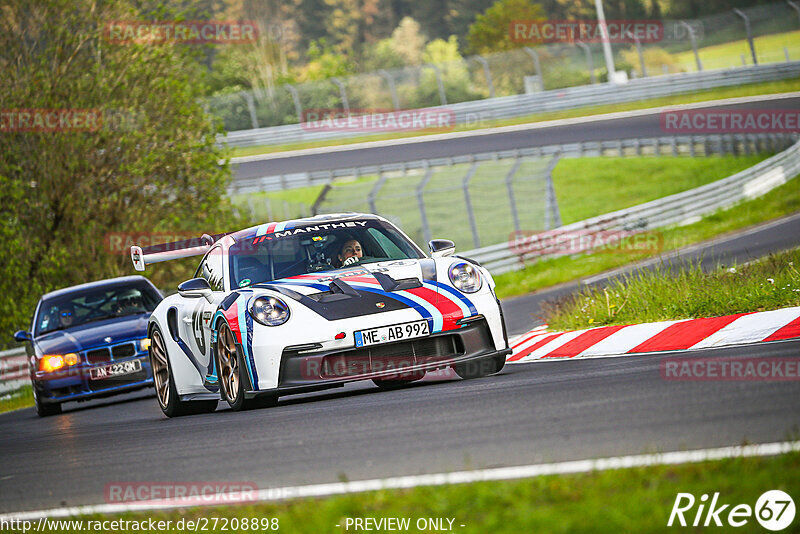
(269, 311)
(54, 362)
(465, 277)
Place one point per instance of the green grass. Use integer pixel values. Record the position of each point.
(586, 187)
(769, 49)
(624, 500)
(782, 86)
(14, 400)
(781, 201)
(669, 293)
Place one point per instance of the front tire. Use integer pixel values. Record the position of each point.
(482, 367)
(45, 409)
(231, 375)
(168, 399)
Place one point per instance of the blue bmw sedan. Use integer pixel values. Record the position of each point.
(90, 341)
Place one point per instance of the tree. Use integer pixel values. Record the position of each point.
(490, 31)
(143, 157)
(408, 41)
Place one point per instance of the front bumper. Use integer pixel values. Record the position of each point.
(388, 360)
(75, 383)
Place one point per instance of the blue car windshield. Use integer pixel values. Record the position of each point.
(315, 248)
(94, 304)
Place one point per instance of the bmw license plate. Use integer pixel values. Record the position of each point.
(115, 369)
(388, 334)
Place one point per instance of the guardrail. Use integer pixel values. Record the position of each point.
(13, 369)
(690, 145)
(473, 112)
(675, 209)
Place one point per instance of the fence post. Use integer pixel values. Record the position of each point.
(426, 229)
(693, 39)
(342, 94)
(373, 194)
(692, 151)
(269, 210)
(320, 199)
(298, 107)
(392, 89)
(746, 20)
(589, 60)
(794, 6)
(439, 82)
(251, 106)
(552, 213)
(510, 188)
(470, 213)
(641, 57)
(536, 65)
(486, 73)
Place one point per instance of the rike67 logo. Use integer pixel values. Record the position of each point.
(774, 510)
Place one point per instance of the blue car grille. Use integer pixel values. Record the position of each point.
(123, 351)
(104, 354)
(98, 355)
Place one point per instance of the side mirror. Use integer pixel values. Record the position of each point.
(195, 288)
(22, 335)
(441, 247)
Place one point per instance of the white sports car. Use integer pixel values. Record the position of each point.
(314, 303)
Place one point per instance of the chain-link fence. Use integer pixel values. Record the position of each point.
(721, 41)
(472, 203)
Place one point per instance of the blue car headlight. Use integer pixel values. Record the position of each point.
(269, 311)
(465, 277)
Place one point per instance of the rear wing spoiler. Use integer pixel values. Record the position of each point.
(169, 251)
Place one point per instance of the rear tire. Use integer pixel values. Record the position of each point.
(168, 399)
(479, 368)
(45, 409)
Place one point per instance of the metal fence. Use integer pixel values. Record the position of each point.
(13, 369)
(472, 202)
(482, 199)
(531, 69)
(680, 208)
(479, 111)
(677, 145)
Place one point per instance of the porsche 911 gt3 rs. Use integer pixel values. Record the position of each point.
(314, 303)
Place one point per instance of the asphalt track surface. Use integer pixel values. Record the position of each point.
(521, 313)
(606, 130)
(529, 413)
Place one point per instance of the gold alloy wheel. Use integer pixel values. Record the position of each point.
(158, 361)
(228, 363)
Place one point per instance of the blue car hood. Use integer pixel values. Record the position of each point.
(89, 335)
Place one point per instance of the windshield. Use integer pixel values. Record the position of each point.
(80, 307)
(316, 248)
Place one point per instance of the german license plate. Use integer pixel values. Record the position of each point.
(115, 369)
(388, 334)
